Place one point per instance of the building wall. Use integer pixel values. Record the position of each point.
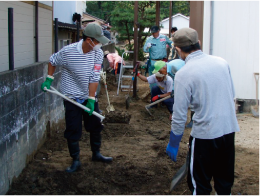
(63, 37)
(178, 21)
(24, 33)
(81, 7)
(26, 114)
(45, 34)
(64, 10)
(206, 27)
(236, 39)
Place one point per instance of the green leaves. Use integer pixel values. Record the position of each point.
(120, 15)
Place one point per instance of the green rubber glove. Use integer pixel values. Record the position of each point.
(90, 105)
(47, 83)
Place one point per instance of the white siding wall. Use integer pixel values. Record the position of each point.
(81, 7)
(236, 39)
(45, 34)
(64, 10)
(23, 15)
(24, 32)
(4, 62)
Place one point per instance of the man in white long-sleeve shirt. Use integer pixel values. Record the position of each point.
(204, 82)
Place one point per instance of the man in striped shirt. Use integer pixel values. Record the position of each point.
(80, 75)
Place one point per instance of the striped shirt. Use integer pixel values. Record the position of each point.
(78, 69)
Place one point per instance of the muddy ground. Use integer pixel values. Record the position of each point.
(140, 165)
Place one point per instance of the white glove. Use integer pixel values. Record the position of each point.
(149, 45)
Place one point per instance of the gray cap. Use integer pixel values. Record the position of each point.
(185, 37)
(94, 30)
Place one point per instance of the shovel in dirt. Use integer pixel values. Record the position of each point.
(54, 91)
(180, 174)
(110, 108)
(128, 99)
(255, 109)
(158, 101)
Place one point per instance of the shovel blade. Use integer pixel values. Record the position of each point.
(110, 108)
(178, 177)
(147, 108)
(127, 102)
(180, 174)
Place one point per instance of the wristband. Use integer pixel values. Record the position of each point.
(158, 96)
(51, 77)
(93, 98)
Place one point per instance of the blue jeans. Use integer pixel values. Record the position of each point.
(168, 102)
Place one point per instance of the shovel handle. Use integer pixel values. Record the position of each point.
(54, 91)
(158, 101)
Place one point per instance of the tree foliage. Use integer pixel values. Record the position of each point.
(182, 7)
(120, 15)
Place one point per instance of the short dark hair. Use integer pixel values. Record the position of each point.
(84, 37)
(190, 48)
(174, 29)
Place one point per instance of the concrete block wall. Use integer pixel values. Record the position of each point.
(26, 112)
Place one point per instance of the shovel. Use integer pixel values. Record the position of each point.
(110, 108)
(54, 91)
(255, 109)
(180, 174)
(158, 101)
(128, 99)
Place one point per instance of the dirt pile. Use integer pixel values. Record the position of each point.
(137, 142)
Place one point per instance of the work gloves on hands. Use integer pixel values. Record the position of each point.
(155, 98)
(149, 45)
(47, 82)
(173, 146)
(90, 105)
(137, 74)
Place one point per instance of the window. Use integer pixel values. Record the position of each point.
(64, 42)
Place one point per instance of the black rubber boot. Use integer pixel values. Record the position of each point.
(96, 156)
(74, 167)
(95, 142)
(74, 153)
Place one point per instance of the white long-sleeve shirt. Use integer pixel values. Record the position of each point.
(204, 82)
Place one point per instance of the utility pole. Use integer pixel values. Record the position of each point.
(157, 19)
(170, 19)
(135, 43)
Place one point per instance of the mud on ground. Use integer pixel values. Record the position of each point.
(140, 165)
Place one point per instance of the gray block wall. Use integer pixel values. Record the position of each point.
(25, 113)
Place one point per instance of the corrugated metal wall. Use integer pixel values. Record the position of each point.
(236, 39)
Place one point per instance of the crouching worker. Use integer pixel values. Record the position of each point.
(163, 86)
(80, 74)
